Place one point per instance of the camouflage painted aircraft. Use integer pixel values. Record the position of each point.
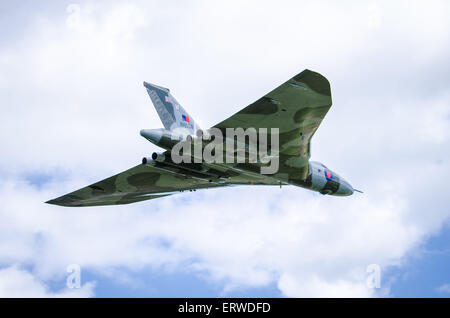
(296, 108)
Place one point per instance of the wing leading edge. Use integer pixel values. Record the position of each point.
(296, 108)
(142, 182)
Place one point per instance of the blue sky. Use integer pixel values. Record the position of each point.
(425, 271)
(73, 104)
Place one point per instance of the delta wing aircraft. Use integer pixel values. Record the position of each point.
(296, 108)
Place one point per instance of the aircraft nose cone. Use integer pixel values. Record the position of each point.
(345, 189)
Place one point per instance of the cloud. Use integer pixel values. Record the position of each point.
(73, 105)
(15, 282)
(444, 288)
(314, 286)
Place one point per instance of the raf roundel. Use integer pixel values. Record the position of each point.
(328, 175)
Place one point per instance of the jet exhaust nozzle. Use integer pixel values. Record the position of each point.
(160, 157)
(153, 135)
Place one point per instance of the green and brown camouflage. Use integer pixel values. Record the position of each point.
(296, 108)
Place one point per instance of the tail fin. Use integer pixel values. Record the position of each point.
(173, 116)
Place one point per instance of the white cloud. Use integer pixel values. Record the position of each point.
(444, 288)
(73, 104)
(15, 282)
(317, 287)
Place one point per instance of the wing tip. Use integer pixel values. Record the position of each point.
(153, 86)
(315, 81)
(62, 201)
(53, 202)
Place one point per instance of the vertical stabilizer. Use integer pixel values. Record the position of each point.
(173, 116)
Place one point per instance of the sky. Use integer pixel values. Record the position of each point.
(72, 105)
